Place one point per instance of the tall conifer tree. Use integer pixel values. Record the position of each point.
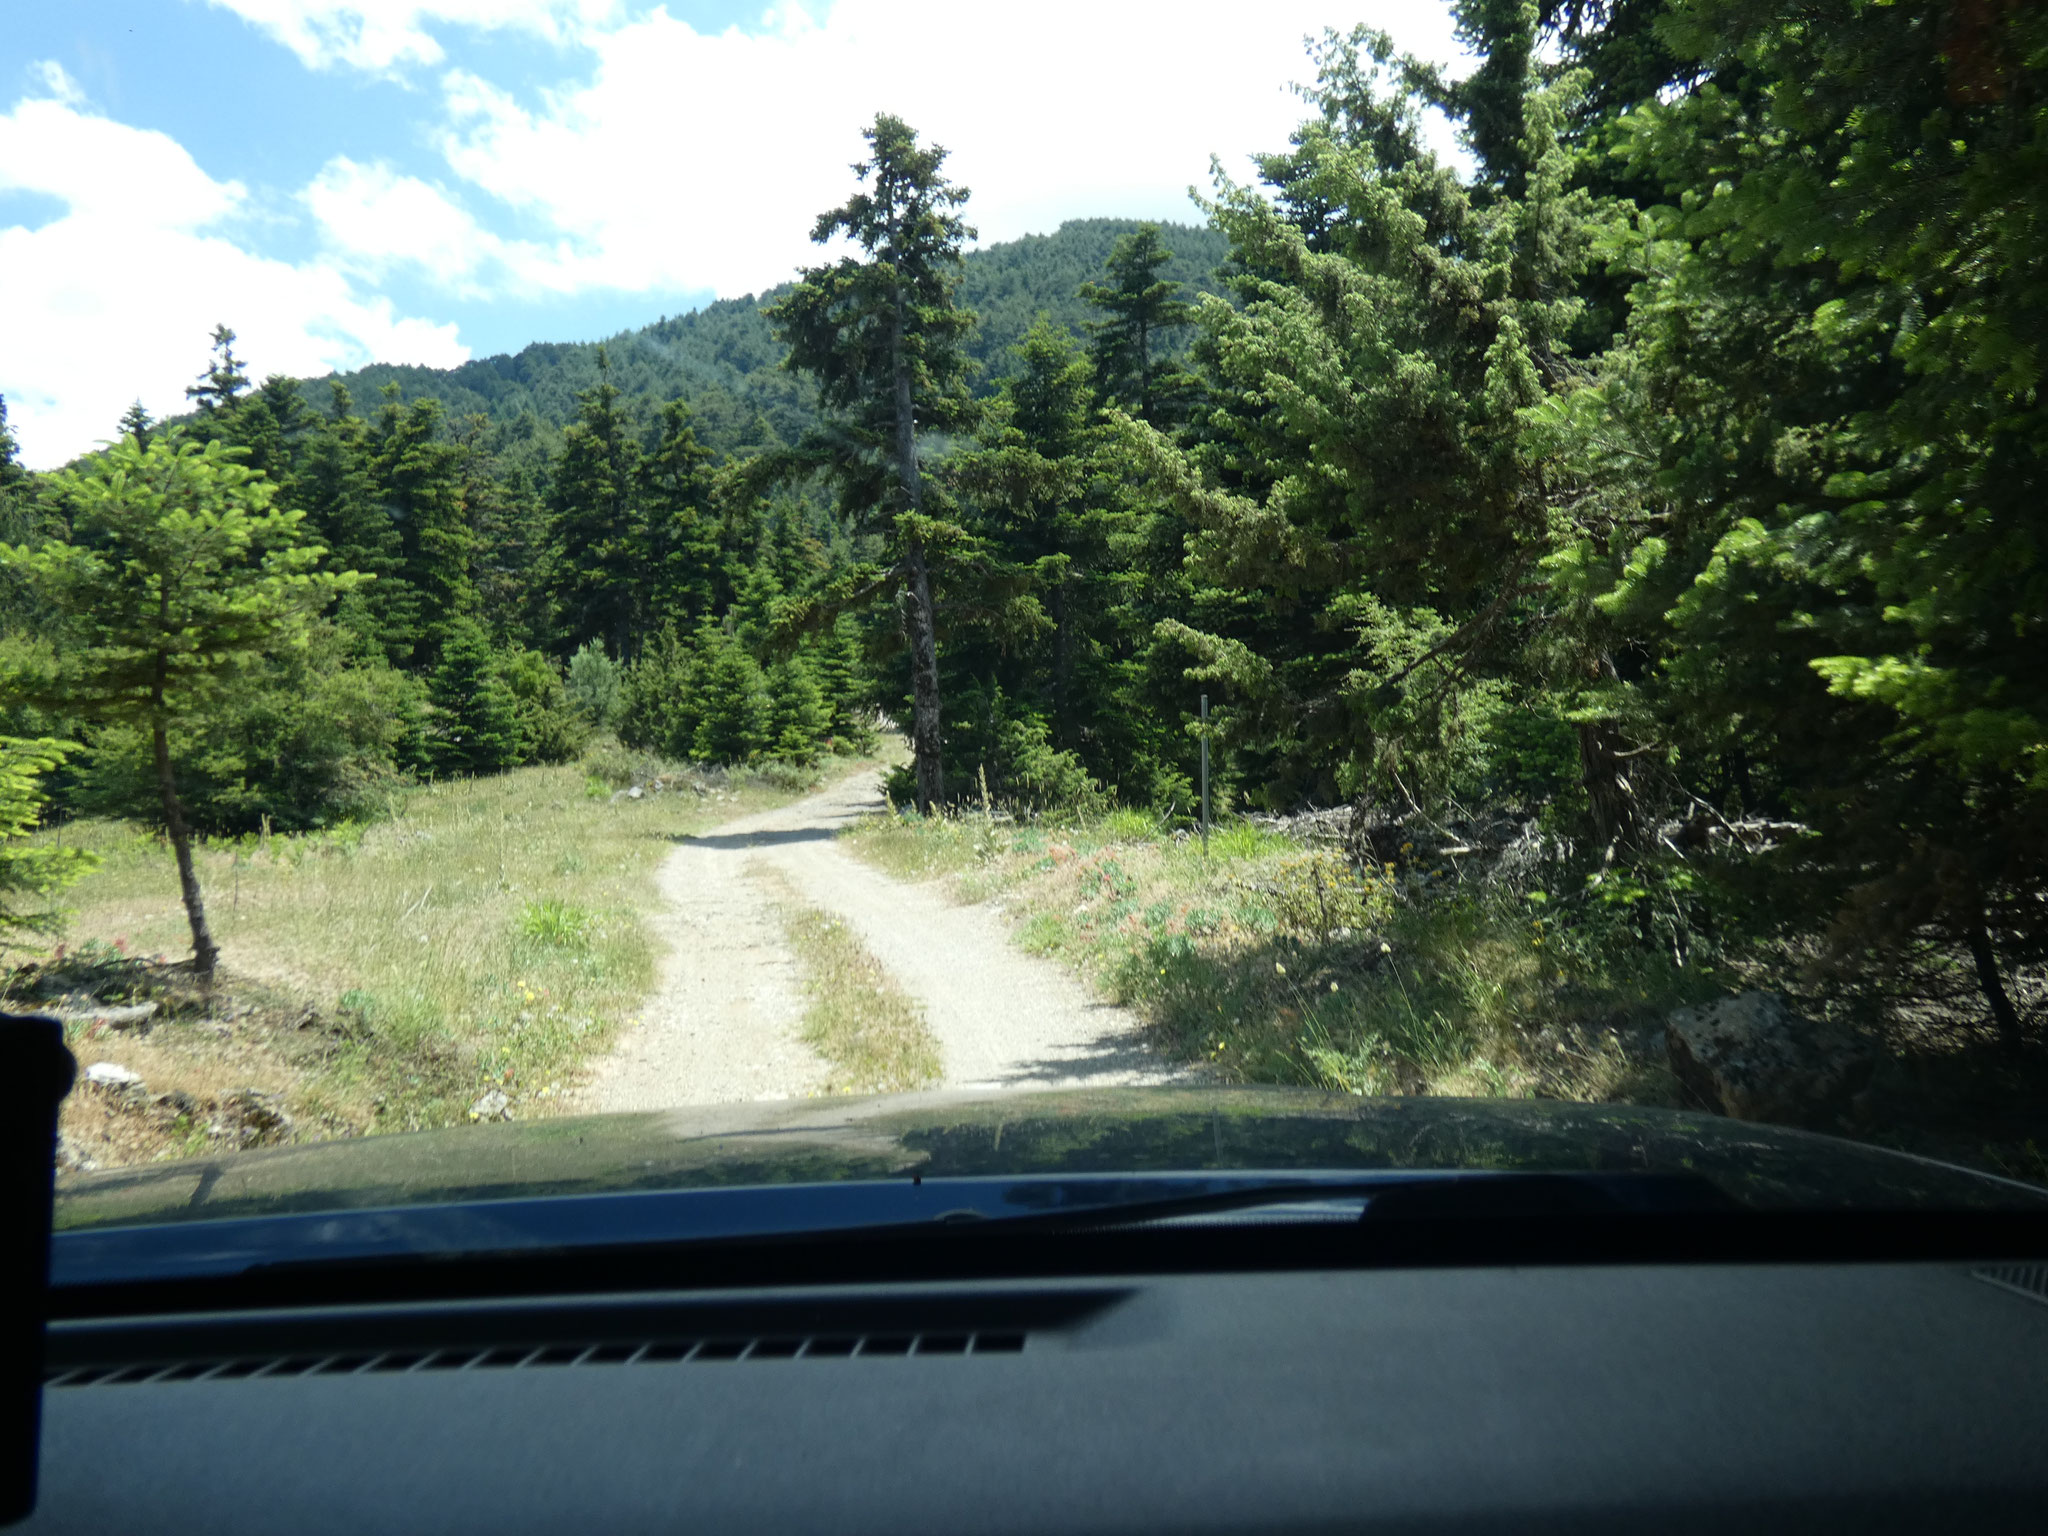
(1140, 311)
(597, 538)
(419, 479)
(881, 332)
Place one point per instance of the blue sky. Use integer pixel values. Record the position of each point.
(431, 180)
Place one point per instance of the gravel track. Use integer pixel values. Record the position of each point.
(722, 1025)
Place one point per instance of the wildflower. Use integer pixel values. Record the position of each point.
(1386, 948)
(1279, 968)
(1333, 986)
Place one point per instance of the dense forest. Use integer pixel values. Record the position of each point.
(1663, 482)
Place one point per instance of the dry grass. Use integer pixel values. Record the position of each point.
(872, 1035)
(485, 935)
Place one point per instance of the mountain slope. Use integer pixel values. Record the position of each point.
(726, 362)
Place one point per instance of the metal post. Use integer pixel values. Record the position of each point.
(1205, 775)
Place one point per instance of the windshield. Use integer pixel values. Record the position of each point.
(599, 582)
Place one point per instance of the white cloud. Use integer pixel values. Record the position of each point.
(689, 160)
(384, 35)
(114, 299)
(58, 82)
(374, 219)
(378, 219)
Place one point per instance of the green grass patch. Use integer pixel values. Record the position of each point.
(871, 1034)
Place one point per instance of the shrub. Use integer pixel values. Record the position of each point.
(1013, 747)
(657, 706)
(551, 728)
(1321, 894)
(596, 684)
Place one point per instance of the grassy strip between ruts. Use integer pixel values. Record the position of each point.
(1271, 961)
(483, 939)
(872, 1036)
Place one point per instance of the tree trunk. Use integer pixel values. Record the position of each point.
(1062, 667)
(1145, 373)
(204, 950)
(925, 745)
(2003, 1014)
(1610, 799)
(919, 622)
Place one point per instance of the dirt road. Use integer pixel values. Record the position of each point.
(722, 1025)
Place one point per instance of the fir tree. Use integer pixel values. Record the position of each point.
(598, 574)
(1141, 311)
(799, 716)
(881, 333)
(338, 489)
(181, 572)
(687, 566)
(137, 424)
(224, 382)
(31, 869)
(418, 477)
(477, 729)
(735, 715)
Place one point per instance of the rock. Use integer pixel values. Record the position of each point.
(494, 1105)
(635, 792)
(1751, 1058)
(113, 1077)
(72, 1158)
(110, 1016)
(251, 1117)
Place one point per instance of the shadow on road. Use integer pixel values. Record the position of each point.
(743, 840)
(1107, 1053)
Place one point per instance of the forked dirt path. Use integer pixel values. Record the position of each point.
(722, 1024)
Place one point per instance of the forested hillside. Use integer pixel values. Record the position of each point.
(725, 360)
(1638, 533)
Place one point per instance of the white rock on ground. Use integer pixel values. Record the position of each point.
(723, 1022)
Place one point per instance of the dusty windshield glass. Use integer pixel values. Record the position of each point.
(573, 558)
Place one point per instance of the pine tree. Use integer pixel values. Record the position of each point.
(881, 333)
(13, 481)
(658, 703)
(1365, 526)
(598, 576)
(1823, 540)
(1141, 311)
(840, 666)
(595, 682)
